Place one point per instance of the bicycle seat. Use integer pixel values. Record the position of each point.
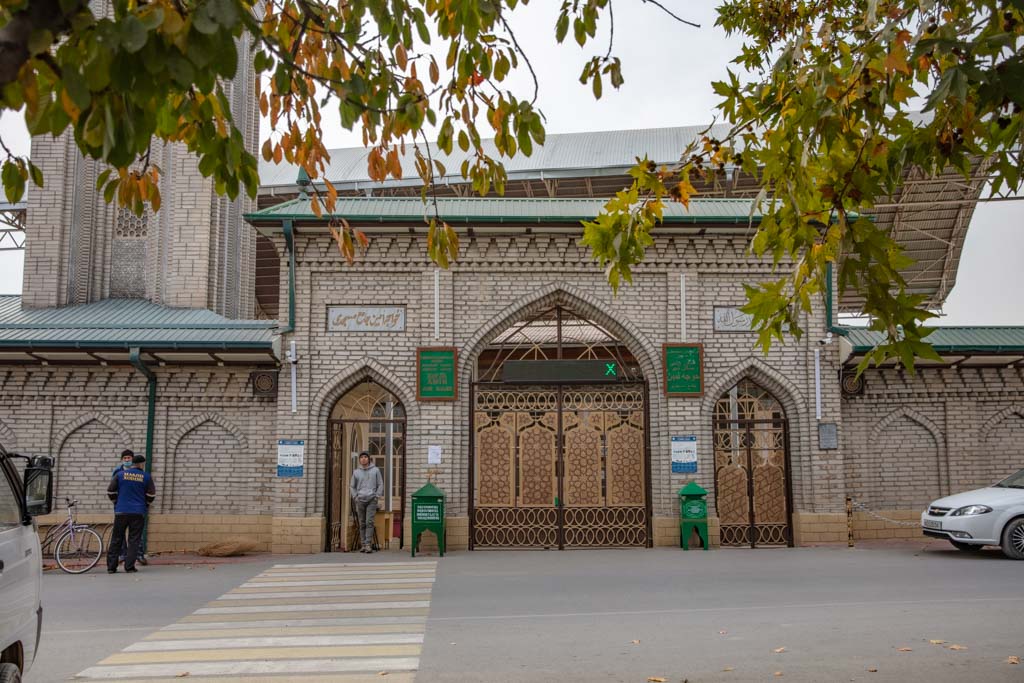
(70, 503)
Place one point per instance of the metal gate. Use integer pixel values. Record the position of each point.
(752, 492)
(562, 466)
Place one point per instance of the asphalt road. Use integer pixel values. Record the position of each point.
(624, 615)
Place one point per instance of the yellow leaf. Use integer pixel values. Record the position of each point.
(655, 679)
(635, 642)
(905, 649)
(937, 642)
(1013, 659)
(778, 674)
(957, 647)
(873, 670)
(728, 668)
(779, 650)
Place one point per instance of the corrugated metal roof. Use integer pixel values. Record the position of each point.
(499, 210)
(950, 339)
(127, 322)
(562, 153)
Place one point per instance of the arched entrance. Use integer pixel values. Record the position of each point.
(752, 490)
(560, 453)
(367, 418)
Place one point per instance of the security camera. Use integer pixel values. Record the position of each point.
(826, 340)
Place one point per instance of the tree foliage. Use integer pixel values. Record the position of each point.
(819, 106)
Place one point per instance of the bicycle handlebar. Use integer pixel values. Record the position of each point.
(69, 502)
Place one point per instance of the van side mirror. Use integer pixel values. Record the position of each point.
(39, 487)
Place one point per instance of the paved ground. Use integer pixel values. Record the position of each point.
(863, 615)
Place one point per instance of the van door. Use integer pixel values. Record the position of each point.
(19, 569)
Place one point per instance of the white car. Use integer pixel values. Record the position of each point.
(988, 516)
(21, 566)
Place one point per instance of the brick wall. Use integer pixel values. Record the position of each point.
(911, 439)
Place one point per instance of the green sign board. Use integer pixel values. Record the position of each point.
(426, 512)
(561, 371)
(684, 369)
(695, 509)
(435, 374)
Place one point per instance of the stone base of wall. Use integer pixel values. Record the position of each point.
(666, 533)
(456, 530)
(819, 527)
(170, 533)
(865, 526)
(298, 534)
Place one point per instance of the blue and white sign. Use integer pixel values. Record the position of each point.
(290, 457)
(684, 454)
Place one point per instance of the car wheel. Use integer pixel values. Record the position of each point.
(965, 547)
(9, 673)
(1013, 540)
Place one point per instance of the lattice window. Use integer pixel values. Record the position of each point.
(131, 226)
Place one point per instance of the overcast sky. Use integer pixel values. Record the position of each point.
(668, 69)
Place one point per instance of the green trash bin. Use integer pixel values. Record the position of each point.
(693, 514)
(428, 515)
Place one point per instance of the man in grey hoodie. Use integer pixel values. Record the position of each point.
(366, 487)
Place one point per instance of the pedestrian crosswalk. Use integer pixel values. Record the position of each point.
(342, 622)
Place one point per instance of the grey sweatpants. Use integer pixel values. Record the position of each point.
(366, 511)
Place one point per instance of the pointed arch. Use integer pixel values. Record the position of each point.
(780, 386)
(199, 420)
(7, 437)
(988, 425)
(580, 301)
(911, 415)
(365, 369)
(801, 472)
(70, 428)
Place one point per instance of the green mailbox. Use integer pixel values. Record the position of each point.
(428, 515)
(693, 514)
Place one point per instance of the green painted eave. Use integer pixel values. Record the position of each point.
(950, 340)
(428, 490)
(496, 210)
(127, 323)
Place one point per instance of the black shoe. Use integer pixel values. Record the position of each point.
(111, 571)
(133, 570)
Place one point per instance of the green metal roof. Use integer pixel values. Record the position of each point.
(123, 323)
(498, 210)
(950, 339)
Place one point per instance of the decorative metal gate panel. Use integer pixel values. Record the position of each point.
(560, 467)
(751, 468)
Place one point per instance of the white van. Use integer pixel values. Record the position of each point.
(21, 564)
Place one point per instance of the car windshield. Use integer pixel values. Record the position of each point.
(1014, 481)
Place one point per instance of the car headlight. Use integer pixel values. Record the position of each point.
(970, 510)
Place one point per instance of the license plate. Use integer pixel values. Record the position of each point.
(931, 524)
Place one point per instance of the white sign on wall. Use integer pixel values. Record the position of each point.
(433, 455)
(291, 456)
(732, 319)
(684, 454)
(366, 319)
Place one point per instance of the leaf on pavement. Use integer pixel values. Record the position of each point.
(778, 674)
(905, 649)
(722, 632)
(655, 679)
(937, 642)
(779, 650)
(183, 674)
(635, 642)
(957, 647)
(728, 668)
(383, 673)
(873, 669)
(1013, 659)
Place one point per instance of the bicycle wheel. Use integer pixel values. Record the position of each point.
(79, 550)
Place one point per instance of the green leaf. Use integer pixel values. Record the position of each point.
(133, 34)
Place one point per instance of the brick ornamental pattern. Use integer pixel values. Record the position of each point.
(904, 442)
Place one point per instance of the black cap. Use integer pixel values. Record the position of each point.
(138, 459)
(366, 453)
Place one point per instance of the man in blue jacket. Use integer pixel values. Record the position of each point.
(132, 491)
